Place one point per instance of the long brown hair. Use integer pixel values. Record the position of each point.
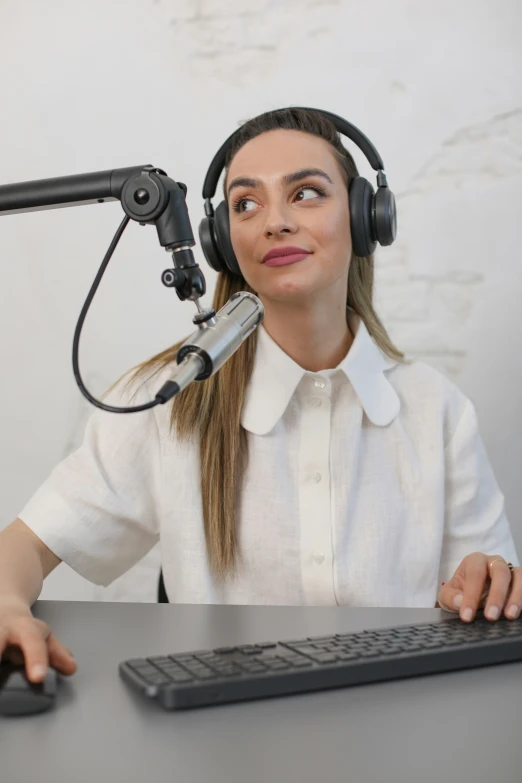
(210, 410)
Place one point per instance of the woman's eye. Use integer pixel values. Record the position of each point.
(303, 190)
(241, 202)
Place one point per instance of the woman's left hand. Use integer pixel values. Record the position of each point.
(483, 580)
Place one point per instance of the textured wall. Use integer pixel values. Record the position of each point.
(438, 89)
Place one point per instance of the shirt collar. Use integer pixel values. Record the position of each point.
(276, 376)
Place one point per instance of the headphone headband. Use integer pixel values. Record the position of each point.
(342, 125)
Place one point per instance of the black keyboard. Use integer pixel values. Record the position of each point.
(256, 671)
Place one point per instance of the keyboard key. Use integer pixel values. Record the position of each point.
(325, 658)
(172, 669)
(181, 677)
(143, 666)
(228, 670)
(321, 638)
(253, 666)
(183, 659)
(307, 650)
(347, 656)
(158, 678)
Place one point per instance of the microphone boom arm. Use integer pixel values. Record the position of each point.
(78, 189)
(148, 196)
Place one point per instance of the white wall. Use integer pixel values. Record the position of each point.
(110, 83)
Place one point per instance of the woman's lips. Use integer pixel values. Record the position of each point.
(284, 260)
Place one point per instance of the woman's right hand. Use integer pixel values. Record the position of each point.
(24, 640)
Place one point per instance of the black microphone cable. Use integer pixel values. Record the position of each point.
(79, 325)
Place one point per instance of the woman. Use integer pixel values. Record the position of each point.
(317, 466)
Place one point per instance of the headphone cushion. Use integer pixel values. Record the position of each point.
(385, 216)
(208, 244)
(222, 231)
(360, 196)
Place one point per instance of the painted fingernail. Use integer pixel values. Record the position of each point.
(512, 611)
(467, 613)
(492, 613)
(457, 601)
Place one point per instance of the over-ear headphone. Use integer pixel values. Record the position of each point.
(373, 216)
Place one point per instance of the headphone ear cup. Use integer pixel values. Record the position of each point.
(385, 216)
(360, 195)
(222, 232)
(209, 246)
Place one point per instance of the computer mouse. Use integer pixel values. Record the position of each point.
(20, 696)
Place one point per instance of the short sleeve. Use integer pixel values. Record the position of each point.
(98, 510)
(475, 520)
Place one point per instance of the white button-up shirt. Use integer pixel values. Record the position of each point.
(366, 485)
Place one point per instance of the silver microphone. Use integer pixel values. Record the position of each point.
(215, 340)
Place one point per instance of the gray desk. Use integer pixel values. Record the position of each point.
(461, 726)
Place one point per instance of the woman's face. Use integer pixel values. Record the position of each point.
(276, 201)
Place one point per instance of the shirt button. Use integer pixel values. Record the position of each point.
(316, 402)
(316, 477)
(318, 557)
(320, 384)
